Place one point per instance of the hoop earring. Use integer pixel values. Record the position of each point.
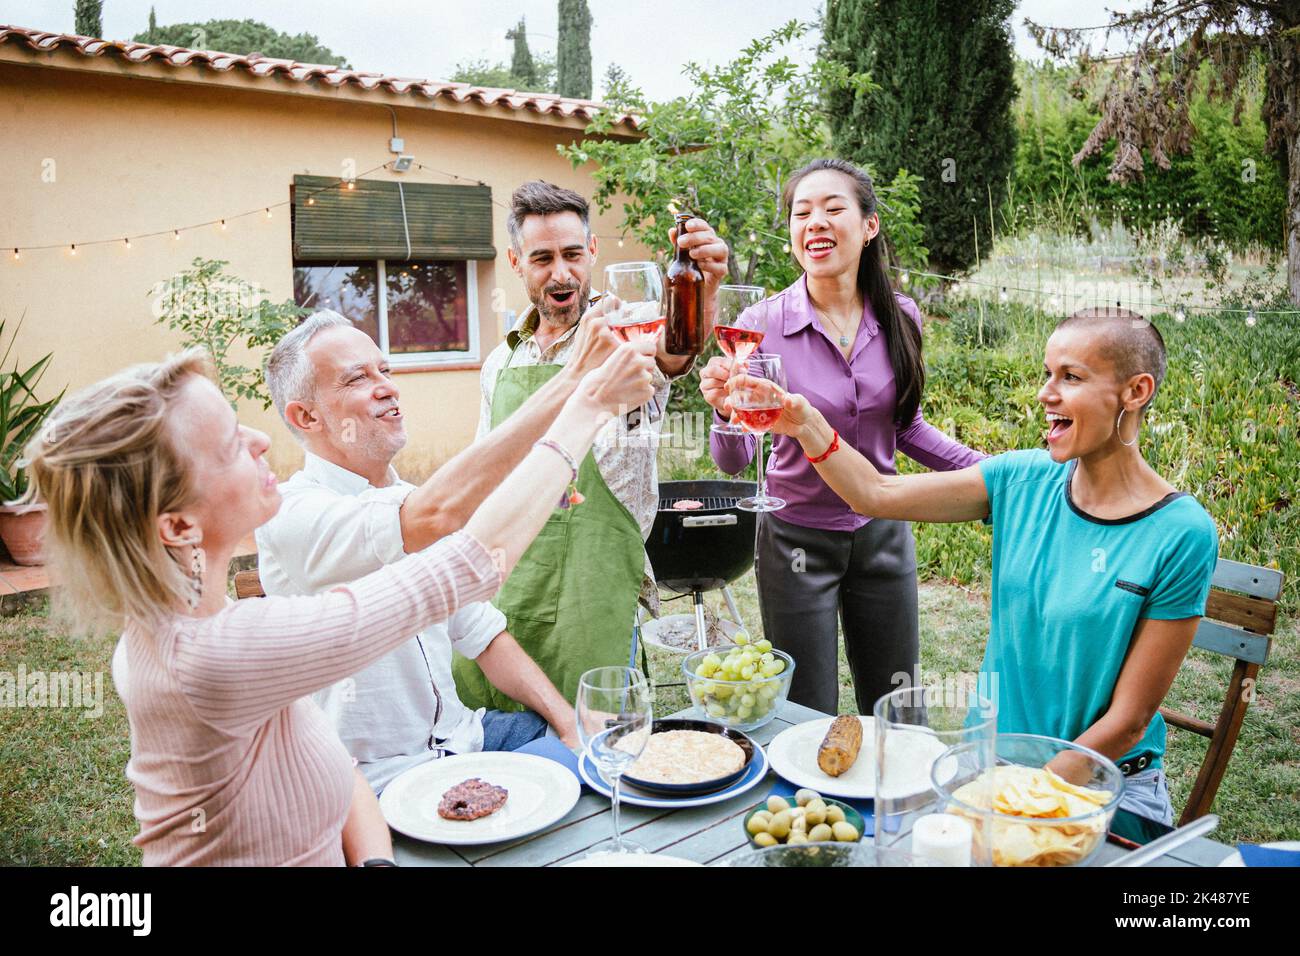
(1120, 434)
(198, 564)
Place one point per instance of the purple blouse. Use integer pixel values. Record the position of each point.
(857, 398)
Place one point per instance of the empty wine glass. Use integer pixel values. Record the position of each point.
(615, 717)
(757, 398)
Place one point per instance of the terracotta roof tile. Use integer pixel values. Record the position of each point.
(262, 66)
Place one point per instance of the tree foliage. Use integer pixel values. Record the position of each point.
(498, 75)
(573, 58)
(89, 18)
(1228, 186)
(1146, 106)
(242, 37)
(942, 108)
(725, 151)
(217, 311)
(521, 63)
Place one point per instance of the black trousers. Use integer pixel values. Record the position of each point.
(811, 580)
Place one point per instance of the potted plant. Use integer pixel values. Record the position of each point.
(22, 519)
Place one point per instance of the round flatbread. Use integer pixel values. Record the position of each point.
(687, 756)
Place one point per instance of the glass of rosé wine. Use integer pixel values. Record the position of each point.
(636, 311)
(739, 328)
(757, 399)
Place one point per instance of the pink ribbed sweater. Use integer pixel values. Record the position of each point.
(232, 763)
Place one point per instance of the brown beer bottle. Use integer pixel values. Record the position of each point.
(686, 333)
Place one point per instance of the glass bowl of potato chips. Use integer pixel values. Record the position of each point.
(1046, 802)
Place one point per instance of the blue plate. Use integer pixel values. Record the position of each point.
(752, 777)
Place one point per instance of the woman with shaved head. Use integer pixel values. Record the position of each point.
(1101, 567)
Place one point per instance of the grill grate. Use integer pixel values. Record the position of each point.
(710, 504)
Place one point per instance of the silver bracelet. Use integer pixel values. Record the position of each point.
(571, 495)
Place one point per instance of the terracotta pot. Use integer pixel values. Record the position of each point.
(22, 527)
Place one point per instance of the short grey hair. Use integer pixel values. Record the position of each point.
(289, 373)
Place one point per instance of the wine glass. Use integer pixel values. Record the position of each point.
(738, 337)
(614, 722)
(756, 400)
(636, 291)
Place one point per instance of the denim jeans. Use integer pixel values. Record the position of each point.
(1147, 794)
(503, 730)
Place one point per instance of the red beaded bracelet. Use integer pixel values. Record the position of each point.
(835, 446)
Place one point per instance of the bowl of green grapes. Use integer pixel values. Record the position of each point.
(741, 685)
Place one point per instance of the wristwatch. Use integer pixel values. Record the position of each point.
(378, 861)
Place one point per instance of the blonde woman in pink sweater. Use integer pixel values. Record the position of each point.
(151, 484)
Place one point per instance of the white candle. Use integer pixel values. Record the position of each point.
(944, 838)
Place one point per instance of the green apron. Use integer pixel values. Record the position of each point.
(571, 600)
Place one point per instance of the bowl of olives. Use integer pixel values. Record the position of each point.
(741, 686)
(807, 818)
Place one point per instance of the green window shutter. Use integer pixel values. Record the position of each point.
(445, 222)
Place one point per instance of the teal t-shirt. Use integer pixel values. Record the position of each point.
(1069, 590)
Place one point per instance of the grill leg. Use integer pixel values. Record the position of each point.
(700, 633)
(731, 605)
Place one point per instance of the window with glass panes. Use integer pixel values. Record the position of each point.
(398, 259)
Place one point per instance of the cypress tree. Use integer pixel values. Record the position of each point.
(942, 110)
(88, 18)
(153, 27)
(522, 67)
(573, 59)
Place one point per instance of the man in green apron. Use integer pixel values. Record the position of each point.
(571, 600)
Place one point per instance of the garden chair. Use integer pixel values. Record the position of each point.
(1240, 614)
(248, 585)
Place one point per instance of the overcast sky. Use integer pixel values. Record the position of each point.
(427, 38)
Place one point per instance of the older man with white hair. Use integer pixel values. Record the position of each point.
(346, 514)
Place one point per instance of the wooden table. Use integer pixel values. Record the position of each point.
(706, 834)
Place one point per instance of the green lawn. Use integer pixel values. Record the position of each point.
(65, 800)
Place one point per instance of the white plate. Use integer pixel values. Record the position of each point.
(793, 753)
(541, 792)
(651, 631)
(753, 776)
(1235, 859)
(632, 859)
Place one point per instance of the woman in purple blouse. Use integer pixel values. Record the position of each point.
(852, 346)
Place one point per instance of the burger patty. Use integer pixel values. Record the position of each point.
(472, 799)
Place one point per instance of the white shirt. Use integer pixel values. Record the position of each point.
(402, 710)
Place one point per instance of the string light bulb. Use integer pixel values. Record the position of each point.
(1180, 315)
(753, 237)
(268, 212)
(785, 247)
(620, 243)
(311, 200)
(351, 185)
(223, 224)
(1250, 318)
(1002, 296)
(905, 277)
(127, 243)
(16, 256)
(72, 249)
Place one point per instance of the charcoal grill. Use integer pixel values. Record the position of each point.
(705, 549)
